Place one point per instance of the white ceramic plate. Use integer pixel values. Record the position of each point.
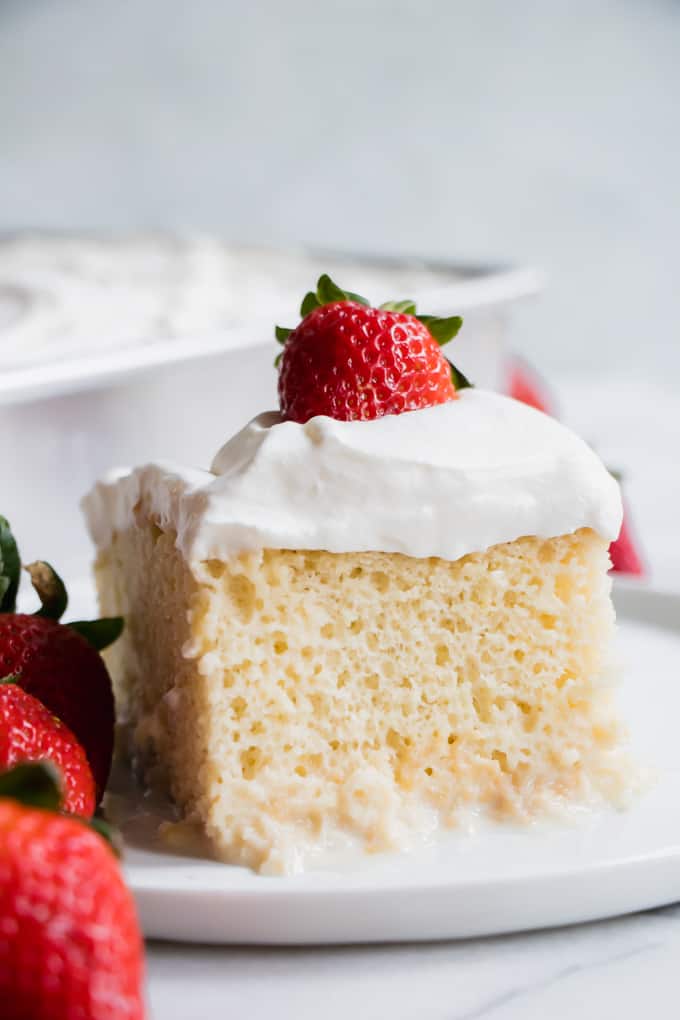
(501, 879)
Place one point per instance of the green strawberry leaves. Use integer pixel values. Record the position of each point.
(325, 294)
(107, 832)
(406, 307)
(10, 568)
(460, 382)
(99, 633)
(11, 678)
(35, 784)
(442, 330)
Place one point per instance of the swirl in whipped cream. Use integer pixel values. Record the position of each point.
(444, 481)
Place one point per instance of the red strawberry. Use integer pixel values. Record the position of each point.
(624, 553)
(29, 732)
(350, 361)
(60, 668)
(70, 944)
(59, 665)
(525, 384)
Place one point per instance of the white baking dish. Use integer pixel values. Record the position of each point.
(120, 351)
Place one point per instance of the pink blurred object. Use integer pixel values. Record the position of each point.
(624, 553)
(524, 383)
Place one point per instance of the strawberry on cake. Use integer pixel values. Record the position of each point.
(386, 605)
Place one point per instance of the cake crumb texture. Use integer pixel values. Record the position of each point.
(298, 702)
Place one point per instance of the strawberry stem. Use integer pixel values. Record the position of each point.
(50, 588)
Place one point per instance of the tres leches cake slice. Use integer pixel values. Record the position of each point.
(385, 607)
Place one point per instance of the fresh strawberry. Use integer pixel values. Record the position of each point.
(29, 732)
(59, 667)
(624, 553)
(70, 944)
(524, 383)
(350, 361)
(58, 664)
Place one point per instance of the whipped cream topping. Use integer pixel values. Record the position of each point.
(444, 481)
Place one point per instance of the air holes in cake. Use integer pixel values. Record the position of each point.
(328, 631)
(356, 626)
(156, 533)
(510, 599)
(548, 621)
(280, 643)
(372, 641)
(334, 745)
(482, 704)
(356, 572)
(564, 679)
(546, 553)
(215, 568)
(518, 655)
(564, 587)
(242, 592)
(380, 581)
(442, 655)
(502, 760)
(238, 707)
(428, 771)
(451, 739)
(301, 770)
(398, 743)
(307, 652)
(342, 679)
(373, 681)
(252, 761)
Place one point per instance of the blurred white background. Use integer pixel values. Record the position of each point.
(539, 130)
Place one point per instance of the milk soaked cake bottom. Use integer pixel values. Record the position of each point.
(297, 701)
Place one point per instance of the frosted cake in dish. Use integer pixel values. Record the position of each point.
(357, 632)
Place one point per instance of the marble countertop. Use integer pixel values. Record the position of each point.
(624, 968)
